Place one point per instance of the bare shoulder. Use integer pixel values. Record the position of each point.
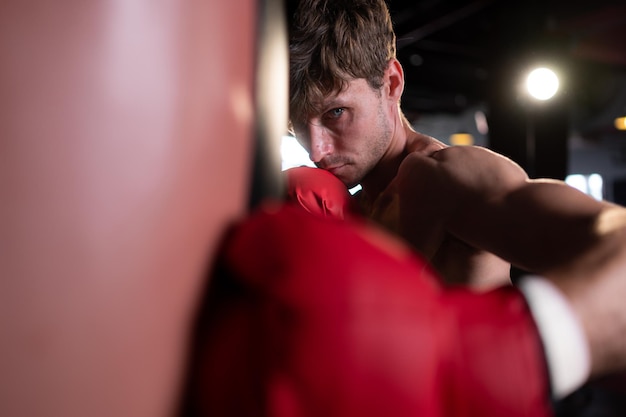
(472, 153)
(423, 144)
(471, 168)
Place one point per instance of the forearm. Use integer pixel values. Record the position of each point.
(539, 226)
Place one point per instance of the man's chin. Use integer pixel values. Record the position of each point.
(349, 182)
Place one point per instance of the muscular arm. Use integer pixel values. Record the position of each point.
(543, 226)
(490, 203)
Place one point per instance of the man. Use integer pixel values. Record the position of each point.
(346, 85)
(345, 90)
(457, 205)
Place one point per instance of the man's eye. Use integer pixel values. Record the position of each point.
(335, 113)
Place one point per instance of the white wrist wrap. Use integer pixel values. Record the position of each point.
(564, 341)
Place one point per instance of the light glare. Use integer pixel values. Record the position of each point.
(293, 154)
(592, 184)
(542, 83)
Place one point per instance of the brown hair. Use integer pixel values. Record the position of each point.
(332, 42)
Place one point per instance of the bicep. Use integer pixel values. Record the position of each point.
(421, 209)
(487, 201)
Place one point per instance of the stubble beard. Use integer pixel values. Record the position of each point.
(380, 144)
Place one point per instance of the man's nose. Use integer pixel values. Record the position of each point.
(321, 143)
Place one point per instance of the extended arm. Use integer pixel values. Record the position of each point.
(543, 226)
(488, 201)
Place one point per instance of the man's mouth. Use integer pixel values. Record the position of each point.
(334, 169)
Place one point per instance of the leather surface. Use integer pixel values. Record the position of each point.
(324, 317)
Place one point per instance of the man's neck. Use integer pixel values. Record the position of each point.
(378, 179)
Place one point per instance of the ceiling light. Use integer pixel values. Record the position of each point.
(542, 83)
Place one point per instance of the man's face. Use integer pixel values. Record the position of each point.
(351, 134)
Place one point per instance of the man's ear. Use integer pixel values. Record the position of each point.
(394, 79)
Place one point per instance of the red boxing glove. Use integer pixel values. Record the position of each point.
(338, 319)
(318, 192)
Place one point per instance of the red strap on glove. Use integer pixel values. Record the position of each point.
(318, 192)
(338, 319)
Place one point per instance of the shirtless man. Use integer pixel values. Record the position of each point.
(345, 91)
